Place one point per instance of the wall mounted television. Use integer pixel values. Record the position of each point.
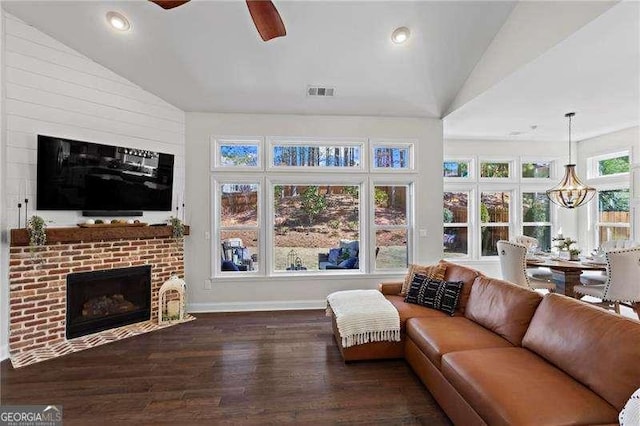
(76, 175)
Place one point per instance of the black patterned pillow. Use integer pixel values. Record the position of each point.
(435, 294)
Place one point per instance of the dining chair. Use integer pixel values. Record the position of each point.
(514, 266)
(599, 278)
(533, 272)
(622, 285)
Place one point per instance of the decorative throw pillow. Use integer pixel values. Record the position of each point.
(435, 294)
(348, 263)
(435, 272)
(334, 255)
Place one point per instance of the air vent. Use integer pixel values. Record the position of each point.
(320, 91)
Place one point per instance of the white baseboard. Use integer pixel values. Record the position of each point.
(4, 352)
(288, 305)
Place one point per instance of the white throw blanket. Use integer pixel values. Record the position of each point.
(364, 316)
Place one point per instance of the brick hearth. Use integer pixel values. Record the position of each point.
(38, 284)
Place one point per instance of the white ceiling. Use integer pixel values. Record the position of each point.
(207, 56)
(594, 72)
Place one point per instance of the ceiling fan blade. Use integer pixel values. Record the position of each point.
(266, 19)
(169, 4)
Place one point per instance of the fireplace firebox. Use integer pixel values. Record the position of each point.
(100, 300)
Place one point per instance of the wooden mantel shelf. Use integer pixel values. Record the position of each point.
(20, 237)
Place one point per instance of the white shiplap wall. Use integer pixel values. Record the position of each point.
(51, 89)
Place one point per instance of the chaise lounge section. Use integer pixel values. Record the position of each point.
(511, 356)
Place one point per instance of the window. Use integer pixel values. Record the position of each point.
(536, 218)
(392, 157)
(306, 213)
(316, 155)
(494, 216)
(536, 170)
(456, 169)
(309, 221)
(495, 169)
(237, 154)
(238, 224)
(613, 221)
(391, 224)
(456, 224)
(612, 166)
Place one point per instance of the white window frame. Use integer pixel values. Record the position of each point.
(216, 142)
(392, 143)
(319, 180)
(593, 163)
(509, 161)
(513, 208)
(553, 211)
(471, 208)
(553, 165)
(409, 226)
(310, 142)
(595, 210)
(217, 228)
(455, 159)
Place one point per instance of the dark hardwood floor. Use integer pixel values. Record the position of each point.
(241, 368)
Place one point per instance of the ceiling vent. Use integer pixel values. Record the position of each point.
(320, 91)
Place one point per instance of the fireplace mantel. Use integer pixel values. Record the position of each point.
(20, 237)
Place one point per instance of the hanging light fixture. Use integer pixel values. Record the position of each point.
(570, 192)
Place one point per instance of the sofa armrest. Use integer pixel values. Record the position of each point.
(390, 288)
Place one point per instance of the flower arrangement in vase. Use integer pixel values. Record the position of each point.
(569, 246)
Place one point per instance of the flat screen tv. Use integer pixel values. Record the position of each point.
(75, 175)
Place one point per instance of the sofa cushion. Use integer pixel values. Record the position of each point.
(434, 294)
(436, 272)
(513, 386)
(409, 310)
(598, 348)
(438, 336)
(502, 307)
(455, 272)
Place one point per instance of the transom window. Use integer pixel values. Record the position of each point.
(495, 169)
(536, 170)
(392, 157)
(460, 169)
(609, 165)
(236, 154)
(293, 154)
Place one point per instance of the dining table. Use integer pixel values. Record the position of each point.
(565, 273)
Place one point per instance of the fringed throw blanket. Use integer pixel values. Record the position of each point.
(364, 316)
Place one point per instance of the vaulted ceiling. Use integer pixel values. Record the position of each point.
(491, 68)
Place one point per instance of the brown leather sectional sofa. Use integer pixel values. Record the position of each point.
(512, 357)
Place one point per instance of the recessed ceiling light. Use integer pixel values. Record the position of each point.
(400, 35)
(118, 21)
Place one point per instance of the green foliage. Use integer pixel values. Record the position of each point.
(36, 231)
(177, 227)
(334, 224)
(278, 191)
(448, 215)
(494, 170)
(313, 203)
(612, 166)
(614, 200)
(352, 225)
(381, 197)
(352, 191)
(538, 212)
(484, 213)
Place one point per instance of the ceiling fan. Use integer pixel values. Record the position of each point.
(264, 14)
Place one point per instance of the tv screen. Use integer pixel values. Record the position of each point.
(75, 175)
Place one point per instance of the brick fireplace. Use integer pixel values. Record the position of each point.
(38, 280)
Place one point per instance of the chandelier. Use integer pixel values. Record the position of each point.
(570, 192)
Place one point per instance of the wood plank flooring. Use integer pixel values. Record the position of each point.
(240, 368)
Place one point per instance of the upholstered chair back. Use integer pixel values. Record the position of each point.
(513, 263)
(526, 241)
(623, 267)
